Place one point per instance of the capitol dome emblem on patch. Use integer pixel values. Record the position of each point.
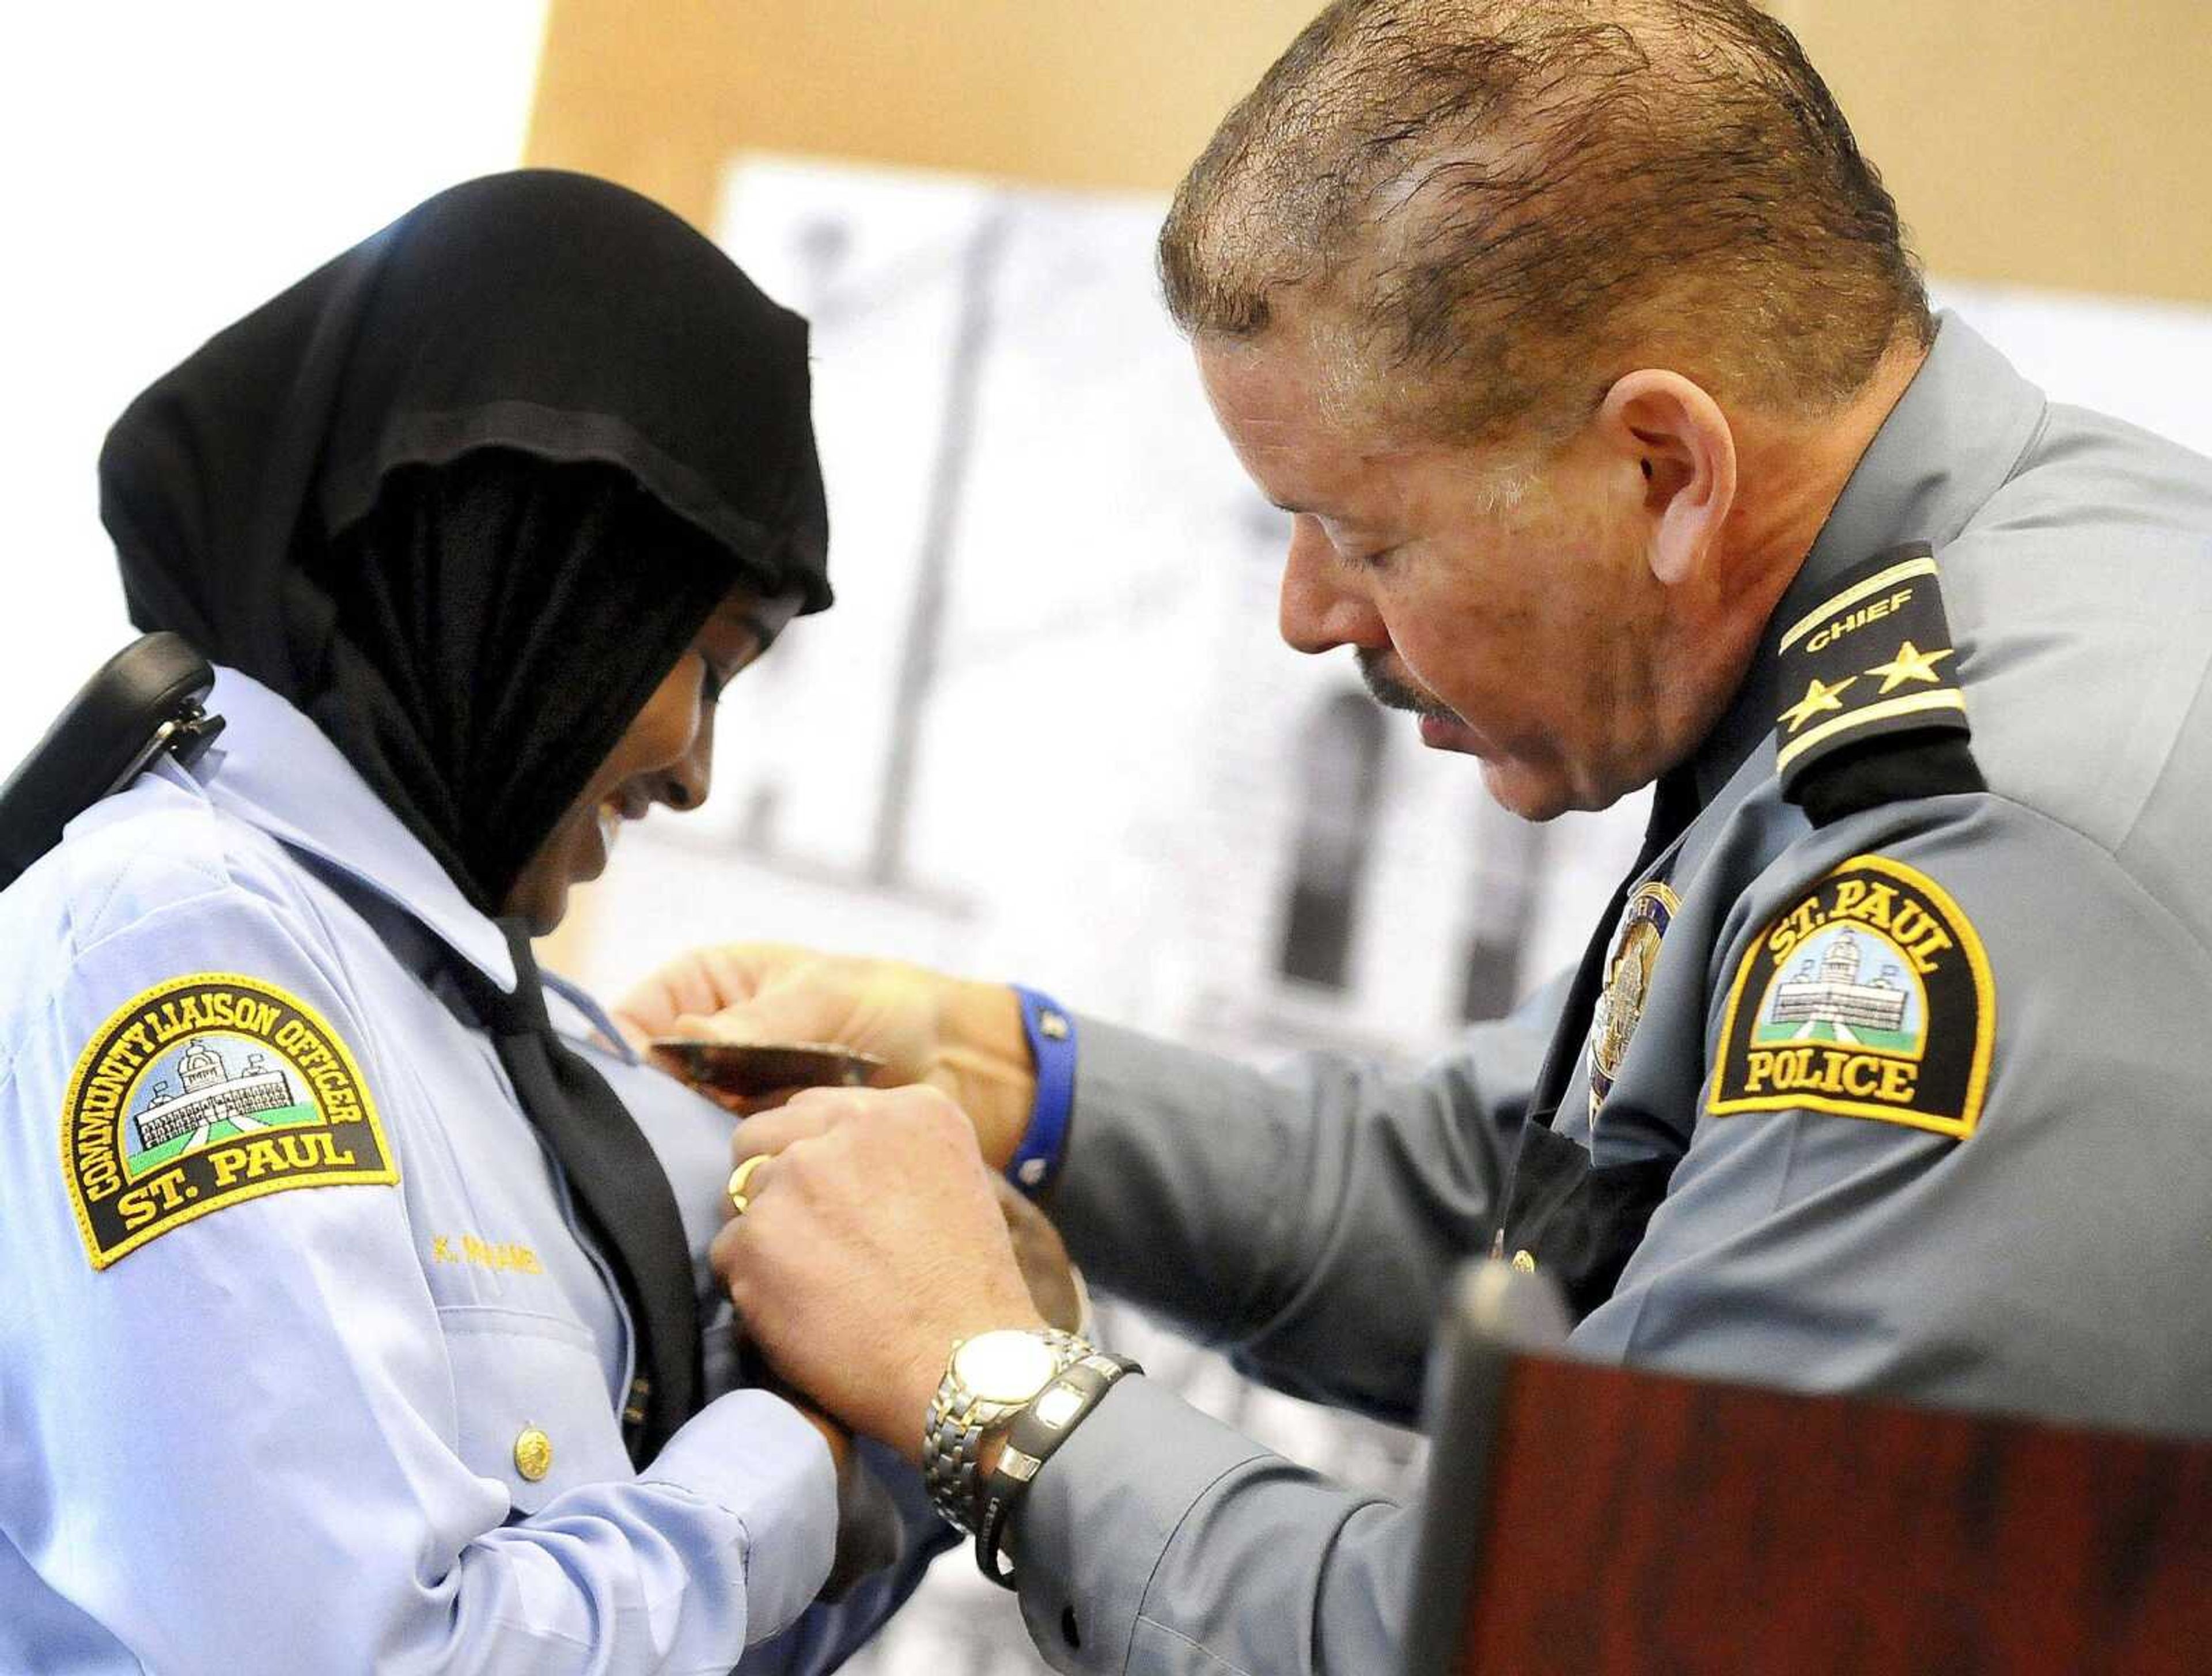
(205, 1092)
(1870, 996)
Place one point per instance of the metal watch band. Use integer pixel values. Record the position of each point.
(1039, 1430)
(958, 1420)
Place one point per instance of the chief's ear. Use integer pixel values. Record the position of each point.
(1675, 436)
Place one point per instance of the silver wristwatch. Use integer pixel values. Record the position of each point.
(990, 1379)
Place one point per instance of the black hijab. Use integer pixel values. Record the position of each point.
(465, 494)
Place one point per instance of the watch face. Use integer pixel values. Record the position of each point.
(1009, 1367)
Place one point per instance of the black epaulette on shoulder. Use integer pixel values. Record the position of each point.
(1874, 713)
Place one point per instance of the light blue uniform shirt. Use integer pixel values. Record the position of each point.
(291, 1434)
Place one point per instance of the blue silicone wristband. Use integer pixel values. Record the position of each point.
(1051, 1031)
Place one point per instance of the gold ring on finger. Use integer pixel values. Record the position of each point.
(740, 1178)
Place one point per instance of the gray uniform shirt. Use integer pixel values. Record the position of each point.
(2052, 1260)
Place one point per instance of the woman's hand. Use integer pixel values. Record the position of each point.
(870, 1533)
(962, 1038)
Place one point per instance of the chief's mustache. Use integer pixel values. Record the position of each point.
(1394, 694)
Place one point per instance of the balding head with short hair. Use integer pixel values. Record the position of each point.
(1488, 210)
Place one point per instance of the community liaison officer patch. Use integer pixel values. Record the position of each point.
(202, 1092)
(1627, 982)
(1870, 997)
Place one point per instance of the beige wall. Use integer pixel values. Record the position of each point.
(1092, 93)
(2064, 143)
(2060, 143)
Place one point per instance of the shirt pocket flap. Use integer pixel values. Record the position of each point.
(531, 1398)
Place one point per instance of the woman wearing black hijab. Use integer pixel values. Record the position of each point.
(370, 1302)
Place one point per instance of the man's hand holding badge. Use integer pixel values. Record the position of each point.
(871, 1228)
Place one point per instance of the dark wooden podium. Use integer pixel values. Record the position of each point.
(1594, 1521)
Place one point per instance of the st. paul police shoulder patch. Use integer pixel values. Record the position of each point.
(202, 1092)
(1870, 997)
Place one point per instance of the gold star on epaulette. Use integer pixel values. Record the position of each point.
(1819, 696)
(1911, 664)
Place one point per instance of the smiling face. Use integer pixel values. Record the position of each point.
(664, 756)
(1528, 629)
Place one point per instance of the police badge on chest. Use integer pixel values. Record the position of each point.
(1628, 972)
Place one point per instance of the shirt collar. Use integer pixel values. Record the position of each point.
(1948, 446)
(276, 770)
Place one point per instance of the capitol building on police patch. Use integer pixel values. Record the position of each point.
(1834, 995)
(211, 1095)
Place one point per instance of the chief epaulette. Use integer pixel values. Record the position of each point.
(1874, 713)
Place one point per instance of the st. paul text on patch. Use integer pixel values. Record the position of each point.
(1870, 997)
(204, 1092)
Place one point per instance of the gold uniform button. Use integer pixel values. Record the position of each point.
(1524, 1263)
(533, 1453)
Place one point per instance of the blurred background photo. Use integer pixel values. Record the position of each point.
(1048, 734)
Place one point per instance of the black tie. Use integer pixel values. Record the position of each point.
(1582, 1223)
(620, 1190)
